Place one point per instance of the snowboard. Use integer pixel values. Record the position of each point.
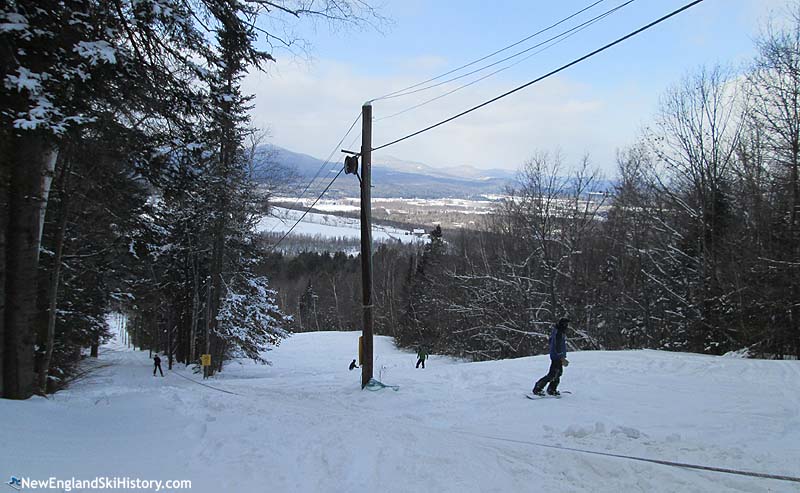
(535, 397)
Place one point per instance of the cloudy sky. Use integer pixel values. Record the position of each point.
(308, 102)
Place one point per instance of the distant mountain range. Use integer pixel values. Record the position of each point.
(392, 177)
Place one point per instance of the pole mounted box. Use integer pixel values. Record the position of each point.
(351, 165)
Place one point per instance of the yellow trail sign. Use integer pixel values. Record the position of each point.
(205, 360)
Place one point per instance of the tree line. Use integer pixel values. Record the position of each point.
(126, 178)
(127, 184)
(695, 248)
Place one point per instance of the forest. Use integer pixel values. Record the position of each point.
(696, 246)
(127, 181)
(127, 184)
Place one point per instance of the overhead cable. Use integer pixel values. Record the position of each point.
(564, 34)
(553, 41)
(306, 211)
(508, 47)
(549, 74)
(324, 164)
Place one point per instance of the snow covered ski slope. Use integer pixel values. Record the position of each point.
(304, 425)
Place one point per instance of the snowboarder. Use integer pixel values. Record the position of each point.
(421, 357)
(558, 359)
(157, 365)
(353, 364)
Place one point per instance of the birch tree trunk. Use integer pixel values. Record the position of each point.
(5, 175)
(32, 157)
(54, 281)
(195, 311)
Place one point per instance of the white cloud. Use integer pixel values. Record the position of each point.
(424, 64)
(757, 14)
(308, 109)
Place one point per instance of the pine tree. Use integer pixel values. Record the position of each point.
(249, 320)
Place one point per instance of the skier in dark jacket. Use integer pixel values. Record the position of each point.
(157, 365)
(422, 355)
(558, 359)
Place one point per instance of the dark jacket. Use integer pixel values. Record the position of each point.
(558, 344)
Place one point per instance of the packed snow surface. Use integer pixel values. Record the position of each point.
(304, 425)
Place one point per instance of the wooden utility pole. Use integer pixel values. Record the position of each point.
(366, 241)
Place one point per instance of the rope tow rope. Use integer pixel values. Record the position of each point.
(375, 385)
(684, 465)
(205, 385)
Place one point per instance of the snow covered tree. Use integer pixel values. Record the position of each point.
(249, 321)
(775, 105)
(694, 144)
(125, 71)
(423, 311)
(68, 65)
(307, 308)
(630, 299)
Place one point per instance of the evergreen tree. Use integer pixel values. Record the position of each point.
(249, 321)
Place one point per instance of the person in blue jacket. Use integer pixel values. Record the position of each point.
(558, 359)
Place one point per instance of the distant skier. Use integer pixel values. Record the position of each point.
(157, 365)
(558, 359)
(421, 357)
(353, 364)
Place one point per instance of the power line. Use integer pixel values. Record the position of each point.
(352, 143)
(391, 94)
(307, 210)
(334, 151)
(324, 163)
(302, 194)
(564, 36)
(560, 69)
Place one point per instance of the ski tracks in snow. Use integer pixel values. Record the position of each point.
(304, 424)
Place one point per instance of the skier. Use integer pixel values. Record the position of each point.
(353, 364)
(558, 359)
(157, 365)
(421, 357)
